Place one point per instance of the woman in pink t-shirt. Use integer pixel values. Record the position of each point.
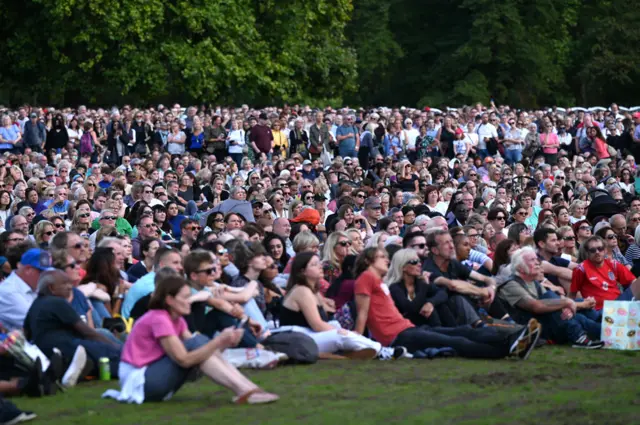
(161, 345)
(550, 144)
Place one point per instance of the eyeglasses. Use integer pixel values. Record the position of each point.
(595, 249)
(148, 226)
(584, 228)
(413, 262)
(473, 175)
(569, 238)
(218, 220)
(196, 228)
(474, 235)
(635, 219)
(344, 243)
(208, 271)
(612, 237)
(521, 213)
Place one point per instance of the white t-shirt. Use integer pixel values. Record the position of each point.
(412, 134)
(485, 130)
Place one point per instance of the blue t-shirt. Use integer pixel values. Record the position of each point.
(143, 287)
(10, 133)
(80, 303)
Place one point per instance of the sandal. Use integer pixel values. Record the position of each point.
(255, 396)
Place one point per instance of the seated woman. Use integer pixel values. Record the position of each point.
(161, 352)
(418, 301)
(302, 311)
(101, 283)
(53, 323)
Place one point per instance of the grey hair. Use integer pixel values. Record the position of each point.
(304, 240)
(517, 259)
(48, 278)
(399, 260)
(373, 240)
(486, 192)
(23, 211)
(107, 242)
(421, 219)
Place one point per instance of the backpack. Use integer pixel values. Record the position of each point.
(86, 143)
(299, 347)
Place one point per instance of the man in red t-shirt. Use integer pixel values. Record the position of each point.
(377, 312)
(598, 277)
(261, 137)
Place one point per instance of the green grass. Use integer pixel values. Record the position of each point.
(555, 386)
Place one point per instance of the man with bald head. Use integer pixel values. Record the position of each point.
(282, 228)
(52, 323)
(619, 226)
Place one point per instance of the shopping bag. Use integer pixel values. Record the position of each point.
(621, 325)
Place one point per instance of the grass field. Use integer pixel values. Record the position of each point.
(555, 386)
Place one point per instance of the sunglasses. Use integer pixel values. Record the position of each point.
(208, 271)
(148, 226)
(197, 228)
(59, 226)
(344, 243)
(595, 249)
(612, 237)
(159, 194)
(359, 195)
(569, 238)
(500, 218)
(108, 217)
(49, 233)
(71, 265)
(413, 262)
(584, 228)
(79, 245)
(218, 220)
(223, 251)
(419, 246)
(83, 215)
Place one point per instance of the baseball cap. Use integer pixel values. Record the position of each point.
(636, 115)
(38, 259)
(306, 162)
(372, 202)
(33, 115)
(49, 171)
(319, 197)
(488, 160)
(256, 202)
(263, 116)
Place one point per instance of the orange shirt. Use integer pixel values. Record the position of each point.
(384, 320)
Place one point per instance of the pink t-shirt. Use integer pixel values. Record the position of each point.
(143, 344)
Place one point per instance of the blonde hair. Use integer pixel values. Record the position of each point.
(399, 260)
(328, 252)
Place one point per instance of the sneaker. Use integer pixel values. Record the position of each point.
(73, 373)
(16, 416)
(390, 353)
(584, 342)
(526, 340)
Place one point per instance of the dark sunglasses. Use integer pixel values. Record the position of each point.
(595, 249)
(208, 271)
(419, 245)
(413, 262)
(344, 243)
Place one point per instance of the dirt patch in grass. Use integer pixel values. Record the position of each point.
(503, 379)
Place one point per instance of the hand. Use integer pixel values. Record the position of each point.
(253, 288)
(218, 291)
(237, 311)
(566, 314)
(587, 304)
(426, 310)
(426, 276)
(255, 327)
(571, 305)
(229, 337)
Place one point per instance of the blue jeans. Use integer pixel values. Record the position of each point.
(191, 209)
(553, 327)
(99, 312)
(347, 149)
(483, 153)
(96, 350)
(252, 310)
(513, 156)
(237, 158)
(165, 376)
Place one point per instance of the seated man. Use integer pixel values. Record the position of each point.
(598, 277)
(556, 269)
(165, 257)
(528, 299)
(52, 323)
(445, 270)
(212, 311)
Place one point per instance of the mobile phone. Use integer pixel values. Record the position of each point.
(242, 322)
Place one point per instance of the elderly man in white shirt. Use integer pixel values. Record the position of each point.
(485, 131)
(19, 290)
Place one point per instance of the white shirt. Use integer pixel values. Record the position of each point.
(485, 130)
(16, 298)
(238, 137)
(412, 134)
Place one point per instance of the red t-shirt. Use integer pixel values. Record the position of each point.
(600, 283)
(384, 321)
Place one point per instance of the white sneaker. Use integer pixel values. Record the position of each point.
(71, 376)
(386, 353)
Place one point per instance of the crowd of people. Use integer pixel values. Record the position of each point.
(153, 239)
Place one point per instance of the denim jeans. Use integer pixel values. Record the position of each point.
(191, 209)
(554, 327)
(347, 149)
(99, 312)
(165, 376)
(95, 350)
(252, 310)
(237, 158)
(483, 153)
(482, 343)
(512, 156)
